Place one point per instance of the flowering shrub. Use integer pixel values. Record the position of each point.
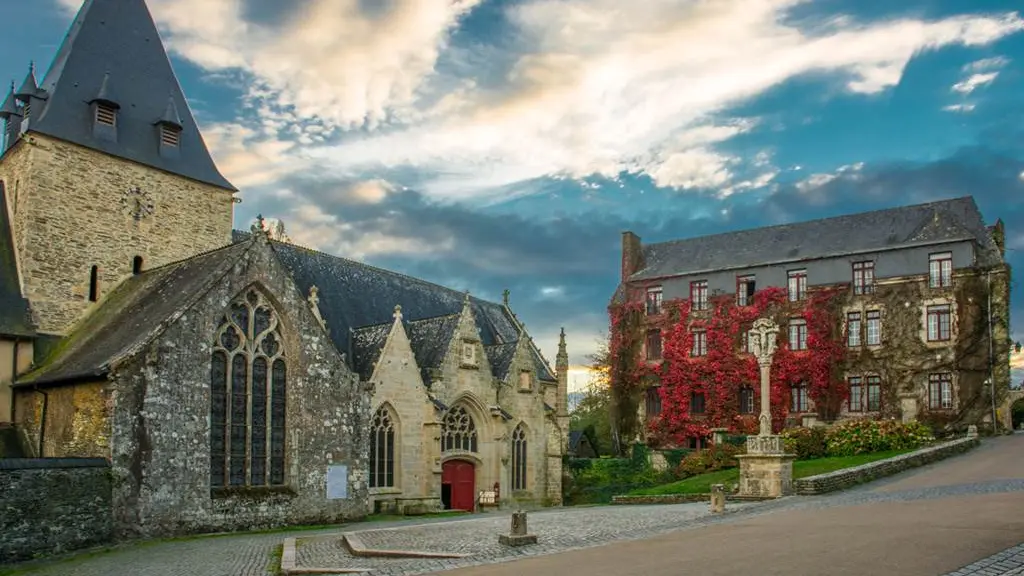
(717, 457)
(806, 443)
(865, 436)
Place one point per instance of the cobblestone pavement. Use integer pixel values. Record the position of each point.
(557, 531)
(1009, 562)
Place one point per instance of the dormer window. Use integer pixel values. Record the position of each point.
(106, 114)
(170, 135)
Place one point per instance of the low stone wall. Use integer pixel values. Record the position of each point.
(681, 499)
(847, 477)
(53, 505)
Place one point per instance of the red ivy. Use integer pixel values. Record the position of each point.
(721, 373)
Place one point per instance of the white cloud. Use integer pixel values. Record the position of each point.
(975, 81)
(986, 64)
(964, 108)
(817, 180)
(596, 87)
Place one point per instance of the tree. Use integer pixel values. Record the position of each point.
(592, 413)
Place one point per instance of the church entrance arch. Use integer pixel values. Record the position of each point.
(458, 485)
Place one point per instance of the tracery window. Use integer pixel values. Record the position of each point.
(382, 449)
(248, 376)
(519, 458)
(459, 431)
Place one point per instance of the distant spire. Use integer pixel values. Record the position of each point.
(465, 298)
(398, 312)
(28, 87)
(105, 94)
(10, 107)
(504, 295)
(171, 116)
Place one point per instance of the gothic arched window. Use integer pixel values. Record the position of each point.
(382, 449)
(459, 432)
(519, 458)
(247, 385)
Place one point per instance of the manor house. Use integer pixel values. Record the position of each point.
(233, 380)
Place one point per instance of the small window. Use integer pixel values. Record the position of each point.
(940, 391)
(939, 320)
(697, 403)
(874, 399)
(525, 380)
(745, 345)
(856, 394)
(654, 344)
(468, 353)
(700, 343)
(853, 329)
(745, 288)
(746, 400)
(874, 328)
(654, 301)
(940, 270)
(798, 334)
(699, 294)
(797, 285)
(653, 402)
(94, 283)
(170, 135)
(137, 265)
(106, 115)
(798, 398)
(863, 277)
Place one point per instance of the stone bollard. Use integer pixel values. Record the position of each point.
(972, 431)
(717, 498)
(518, 535)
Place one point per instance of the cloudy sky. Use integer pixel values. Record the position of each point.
(492, 144)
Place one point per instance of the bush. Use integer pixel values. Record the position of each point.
(596, 480)
(806, 443)
(717, 457)
(866, 436)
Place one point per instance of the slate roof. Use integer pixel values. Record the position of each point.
(137, 309)
(15, 318)
(367, 343)
(501, 356)
(353, 295)
(430, 339)
(934, 222)
(117, 40)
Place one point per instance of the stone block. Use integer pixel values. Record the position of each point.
(766, 475)
(717, 498)
(517, 539)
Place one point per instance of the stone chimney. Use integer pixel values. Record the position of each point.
(632, 254)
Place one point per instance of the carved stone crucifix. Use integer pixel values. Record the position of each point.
(762, 342)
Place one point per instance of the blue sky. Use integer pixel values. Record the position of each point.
(492, 144)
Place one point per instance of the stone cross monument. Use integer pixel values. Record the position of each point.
(765, 470)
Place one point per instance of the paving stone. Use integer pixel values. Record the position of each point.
(1009, 562)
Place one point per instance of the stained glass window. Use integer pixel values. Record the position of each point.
(519, 458)
(247, 396)
(459, 432)
(382, 449)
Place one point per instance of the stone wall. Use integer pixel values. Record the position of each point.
(15, 358)
(50, 506)
(70, 213)
(77, 420)
(847, 477)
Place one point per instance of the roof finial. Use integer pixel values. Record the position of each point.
(314, 304)
(465, 298)
(28, 87)
(505, 295)
(398, 312)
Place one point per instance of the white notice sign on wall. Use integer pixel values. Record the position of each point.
(337, 482)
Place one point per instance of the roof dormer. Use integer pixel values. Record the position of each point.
(169, 128)
(104, 112)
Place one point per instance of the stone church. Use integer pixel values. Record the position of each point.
(233, 380)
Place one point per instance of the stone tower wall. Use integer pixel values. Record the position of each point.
(69, 214)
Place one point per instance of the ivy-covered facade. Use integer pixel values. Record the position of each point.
(900, 313)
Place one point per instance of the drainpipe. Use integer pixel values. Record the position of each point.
(991, 354)
(14, 376)
(42, 421)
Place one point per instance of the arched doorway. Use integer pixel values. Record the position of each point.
(458, 485)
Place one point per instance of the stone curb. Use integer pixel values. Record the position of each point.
(289, 568)
(357, 548)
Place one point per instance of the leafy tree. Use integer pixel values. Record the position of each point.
(592, 413)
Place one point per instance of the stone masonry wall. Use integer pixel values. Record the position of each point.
(77, 420)
(50, 506)
(847, 477)
(70, 215)
(160, 428)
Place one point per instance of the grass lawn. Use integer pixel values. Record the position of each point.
(701, 484)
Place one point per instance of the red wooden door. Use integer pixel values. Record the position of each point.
(460, 476)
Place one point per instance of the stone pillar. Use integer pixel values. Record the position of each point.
(766, 471)
(717, 498)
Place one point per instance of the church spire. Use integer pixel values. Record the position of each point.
(29, 88)
(562, 373)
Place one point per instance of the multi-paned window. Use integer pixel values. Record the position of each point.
(874, 397)
(939, 319)
(519, 458)
(745, 344)
(654, 301)
(940, 391)
(700, 343)
(797, 285)
(798, 398)
(458, 431)
(652, 402)
(797, 334)
(382, 449)
(853, 329)
(247, 396)
(699, 294)
(940, 270)
(863, 277)
(654, 344)
(746, 400)
(697, 403)
(745, 288)
(856, 393)
(873, 328)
